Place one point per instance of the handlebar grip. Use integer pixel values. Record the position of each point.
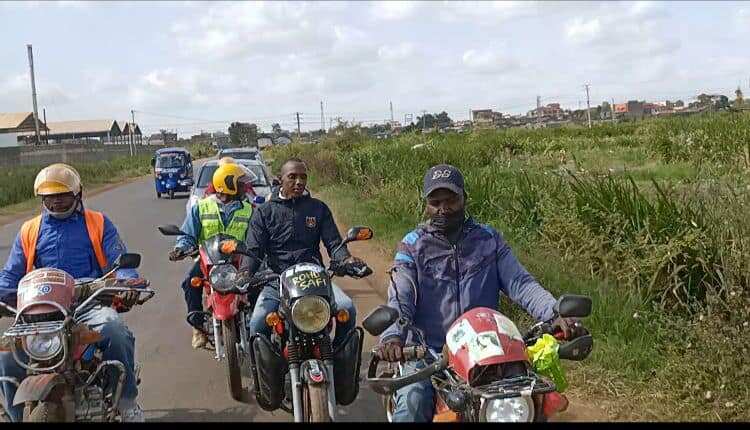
(416, 352)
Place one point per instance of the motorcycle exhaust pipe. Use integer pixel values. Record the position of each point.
(296, 392)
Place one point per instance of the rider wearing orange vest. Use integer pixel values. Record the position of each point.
(83, 243)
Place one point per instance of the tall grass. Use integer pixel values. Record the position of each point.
(656, 210)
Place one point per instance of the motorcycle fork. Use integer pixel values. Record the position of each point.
(296, 392)
(218, 339)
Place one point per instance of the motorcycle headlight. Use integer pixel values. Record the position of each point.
(223, 277)
(512, 409)
(311, 314)
(42, 347)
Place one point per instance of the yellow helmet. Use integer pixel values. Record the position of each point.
(227, 177)
(56, 179)
(226, 160)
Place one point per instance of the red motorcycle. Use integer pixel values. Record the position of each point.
(67, 379)
(483, 373)
(228, 306)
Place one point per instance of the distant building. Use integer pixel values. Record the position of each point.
(125, 132)
(12, 124)
(164, 137)
(83, 131)
(633, 109)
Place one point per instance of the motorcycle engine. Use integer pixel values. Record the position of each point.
(90, 404)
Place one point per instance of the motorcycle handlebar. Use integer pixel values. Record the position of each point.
(388, 386)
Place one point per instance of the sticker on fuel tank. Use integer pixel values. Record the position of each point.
(485, 345)
(307, 280)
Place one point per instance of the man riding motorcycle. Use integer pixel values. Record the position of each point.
(83, 243)
(456, 264)
(288, 230)
(249, 190)
(225, 211)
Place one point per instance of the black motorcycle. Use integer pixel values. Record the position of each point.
(300, 349)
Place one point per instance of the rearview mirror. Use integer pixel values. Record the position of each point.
(572, 305)
(128, 261)
(380, 319)
(577, 349)
(359, 233)
(171, 230)
(259, 200)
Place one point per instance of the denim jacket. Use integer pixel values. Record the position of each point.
(452, 279)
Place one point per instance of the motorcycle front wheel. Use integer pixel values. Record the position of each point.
(316, 403)
(234, 373)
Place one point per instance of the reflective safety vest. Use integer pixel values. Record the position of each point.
(211, 225)
(94, 226)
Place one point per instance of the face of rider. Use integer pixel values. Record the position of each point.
(293, 179)
(445, 209)
(60, 205)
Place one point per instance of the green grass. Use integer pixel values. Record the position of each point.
(649, 219)
(17, 183)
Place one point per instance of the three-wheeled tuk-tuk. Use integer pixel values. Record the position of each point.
(173, 171)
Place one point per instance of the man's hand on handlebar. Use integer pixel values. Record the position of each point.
(130, 298)
(390, 350)
(177, 254)
(570, 327)
(355, 267)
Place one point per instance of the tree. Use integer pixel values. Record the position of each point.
(243, 134)
(739, 101)
(441, 120)
(606, 110)
(276, 129)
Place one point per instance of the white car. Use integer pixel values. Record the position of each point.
(245, 153)
(261, 181)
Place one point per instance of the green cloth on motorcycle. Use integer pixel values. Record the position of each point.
(211, 225)
(546, 361)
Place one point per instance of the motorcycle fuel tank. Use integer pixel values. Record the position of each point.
(483, 337)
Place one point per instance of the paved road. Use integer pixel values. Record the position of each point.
(179, 383)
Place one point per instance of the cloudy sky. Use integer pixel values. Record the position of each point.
(198, 65)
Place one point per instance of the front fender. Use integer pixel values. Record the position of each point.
(36, 388)
(224, 307)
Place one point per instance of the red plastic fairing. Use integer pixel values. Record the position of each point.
(483, 337)
(554, 402)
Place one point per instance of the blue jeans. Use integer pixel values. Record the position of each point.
(415, 403)
(193, 296)
(268, 301)
(121, 347)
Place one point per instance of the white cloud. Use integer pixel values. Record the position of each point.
(484, 61)
(581, 31)
(396, 52)
(395, 10)
(743, 19)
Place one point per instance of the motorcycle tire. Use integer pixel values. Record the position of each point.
(171, 195)
(44, 412)
(316, 404)
(158, 195)
(234, 374)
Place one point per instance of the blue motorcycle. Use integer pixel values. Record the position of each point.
(173, 171)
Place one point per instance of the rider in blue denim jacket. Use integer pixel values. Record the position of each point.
(442, 269)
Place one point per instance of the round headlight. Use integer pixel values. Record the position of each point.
(223, 277)
(311, 314)
(512, 409)
(42, 347)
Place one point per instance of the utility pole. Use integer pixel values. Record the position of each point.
(391, 103)
(588, 105)
(299, 131)
(132, 135)
(322, 118)
(538, 112)
(612, 110)
(33, 92)
(46, 131)
(424, 117)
